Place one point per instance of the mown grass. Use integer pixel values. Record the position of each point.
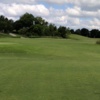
(49, 69)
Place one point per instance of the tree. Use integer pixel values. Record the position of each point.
(46, 31)
(2, 19)
(52, 29)
(78, 31)
(64, 32)
(18, 25)
(72, 31)
(85, 32)
(95, 33)
(9, 27)
(39, 20)
(38, 30)
(23, 31)
(6, 25)
(26, 20)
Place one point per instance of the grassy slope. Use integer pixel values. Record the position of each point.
(49, 69)
(9, 35)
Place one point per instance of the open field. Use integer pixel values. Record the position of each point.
(49, 69)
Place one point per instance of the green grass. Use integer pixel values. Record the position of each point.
(2, 35)
(49, 69)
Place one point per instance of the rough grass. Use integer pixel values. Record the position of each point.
(9, 35)
(49, 69)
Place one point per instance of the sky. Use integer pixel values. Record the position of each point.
(70, 13)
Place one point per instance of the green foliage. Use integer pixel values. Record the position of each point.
(31, 26)
(38, 27)
(78, 31)
(27, 20)
(52, 29)
(84, 32)
(5, 24)
(40, 21)
(23, 31)
(64, 32)
(46, 31)
(17, 25)
(95, 33)
(38, 30)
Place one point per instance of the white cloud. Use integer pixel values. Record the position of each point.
(77, 2)
(76, 11)
(16, 10)
(83, 13)
(18, 1)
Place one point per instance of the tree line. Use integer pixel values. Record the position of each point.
(94, 33)
(30, 26)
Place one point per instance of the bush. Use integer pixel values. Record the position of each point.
(98, 42)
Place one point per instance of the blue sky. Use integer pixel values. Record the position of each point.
(70, 13)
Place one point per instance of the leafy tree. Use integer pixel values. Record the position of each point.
(23, 31)
(38, 30)
(9, 26)
(64, 32)
(39, 20)
(26, 20)
(78, 31)
(72, 31)
(2, 19)
(6, 25)
(52, 29)
(95, 33)
(28, 25)
(46, 31)
(85, 32)
(18, 25)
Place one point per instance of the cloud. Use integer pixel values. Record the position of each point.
(18, 1)
(83, 13)
(76, 11)
(16, 10)
(79, 12)
(84, 4)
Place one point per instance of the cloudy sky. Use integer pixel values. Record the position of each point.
(70, 13)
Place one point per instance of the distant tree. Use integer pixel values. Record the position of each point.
(18, 25)
(41, 21)
(6, 25)
(9, 26)
(23, 31)
(64, 32)
(28, 25)
(85, 32)
(27, 20)
(95, 33)
(52, 29)
(46, 31)
(78, 31)
(2, 20)
(72, 31)
(38, 30)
